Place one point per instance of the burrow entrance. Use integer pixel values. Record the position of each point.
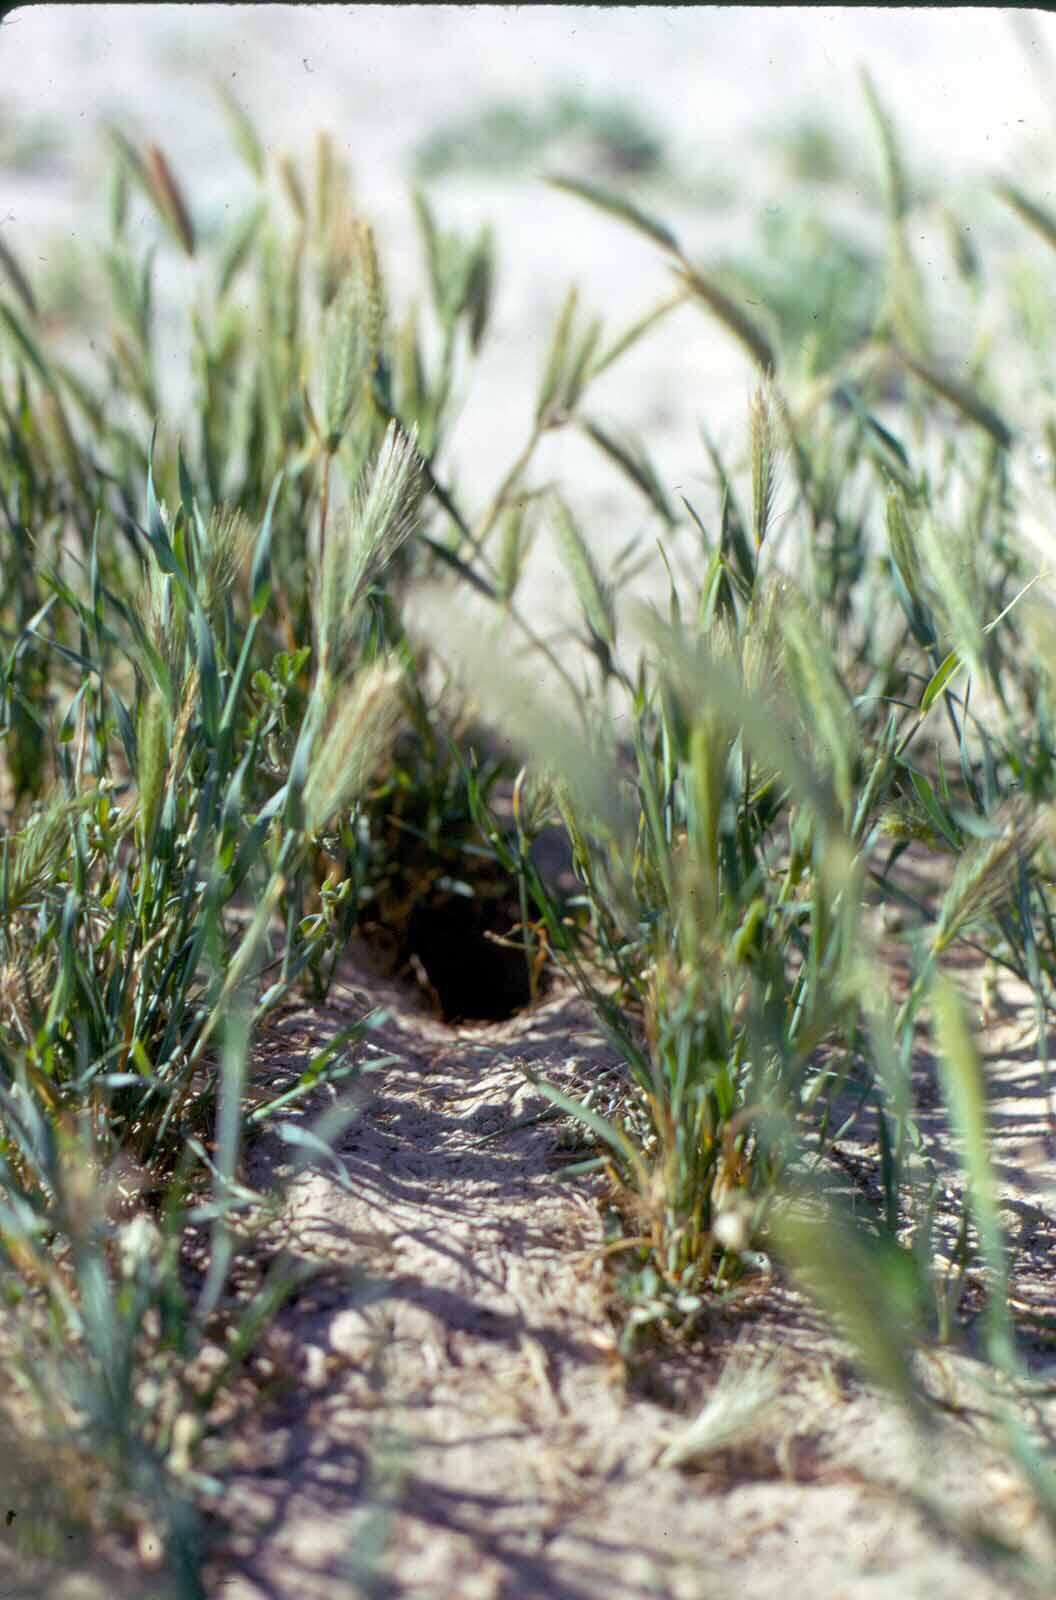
(469, 957)
(446, 916)
(460, 942)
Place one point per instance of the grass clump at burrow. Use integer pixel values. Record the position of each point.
(226, 746)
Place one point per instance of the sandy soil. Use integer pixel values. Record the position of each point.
(484, 1406)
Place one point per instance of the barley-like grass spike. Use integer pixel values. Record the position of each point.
(592, 594)
(168, 197)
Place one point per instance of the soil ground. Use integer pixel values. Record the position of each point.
(443, 1409)
(518, 1455)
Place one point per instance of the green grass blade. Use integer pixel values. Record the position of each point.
(244, 135)
(617, 205)
(722, 305)
(964, 1088)
(1037, 216)
(962, 397)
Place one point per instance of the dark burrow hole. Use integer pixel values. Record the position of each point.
(466, 952)
(446, 914)
(455, 955)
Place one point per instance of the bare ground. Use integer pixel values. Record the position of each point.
(445, 1404)
(480, 1416)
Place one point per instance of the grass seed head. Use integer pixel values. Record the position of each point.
(168, 197)
(738, 1407)
(363, 541)
(985, 875)
(765, 452)
(228, 545)
(359, 736)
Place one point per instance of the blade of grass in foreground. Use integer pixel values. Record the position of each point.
(963, 1085)
(866, 1284)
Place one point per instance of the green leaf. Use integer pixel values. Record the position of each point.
(936, 816)
(16, 277)
(965, 1092)
(948, 668)
(636, 331)
(617, 205)
(898, 195)
(1037, 216)
(239, 244)
(234, 693)
(208, 674)
(260, 576)
(631, 458)
(557, 359)
(938, 681)
(962, 397)
(726, 308)
(126, 729)
(599, 1125)
(27, 345)
(868, 1285)
(244, 135)
(186, 488)
(293, 811)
